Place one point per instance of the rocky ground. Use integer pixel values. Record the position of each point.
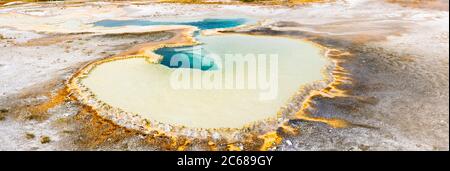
(399, 61)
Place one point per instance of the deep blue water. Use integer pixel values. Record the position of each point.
(186, 57)
(202, 24)
(192, 59)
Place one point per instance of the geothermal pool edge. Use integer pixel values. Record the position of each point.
(266, 131)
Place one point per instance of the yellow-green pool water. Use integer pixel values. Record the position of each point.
(150, 90)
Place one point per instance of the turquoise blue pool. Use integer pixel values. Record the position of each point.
(201, 24)
(197, 58)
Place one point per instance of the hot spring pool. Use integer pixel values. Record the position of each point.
(204, 24)
(137, 86)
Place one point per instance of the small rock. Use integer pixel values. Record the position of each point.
(45, 139)
(364, 147)
(4, 110)
(29, 136)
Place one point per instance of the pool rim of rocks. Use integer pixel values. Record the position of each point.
(266, 130)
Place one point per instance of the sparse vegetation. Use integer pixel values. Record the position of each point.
(262, 2)
(282, 2)
(432, 4)
(8, 1)
(190, 1)
(248, 0)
